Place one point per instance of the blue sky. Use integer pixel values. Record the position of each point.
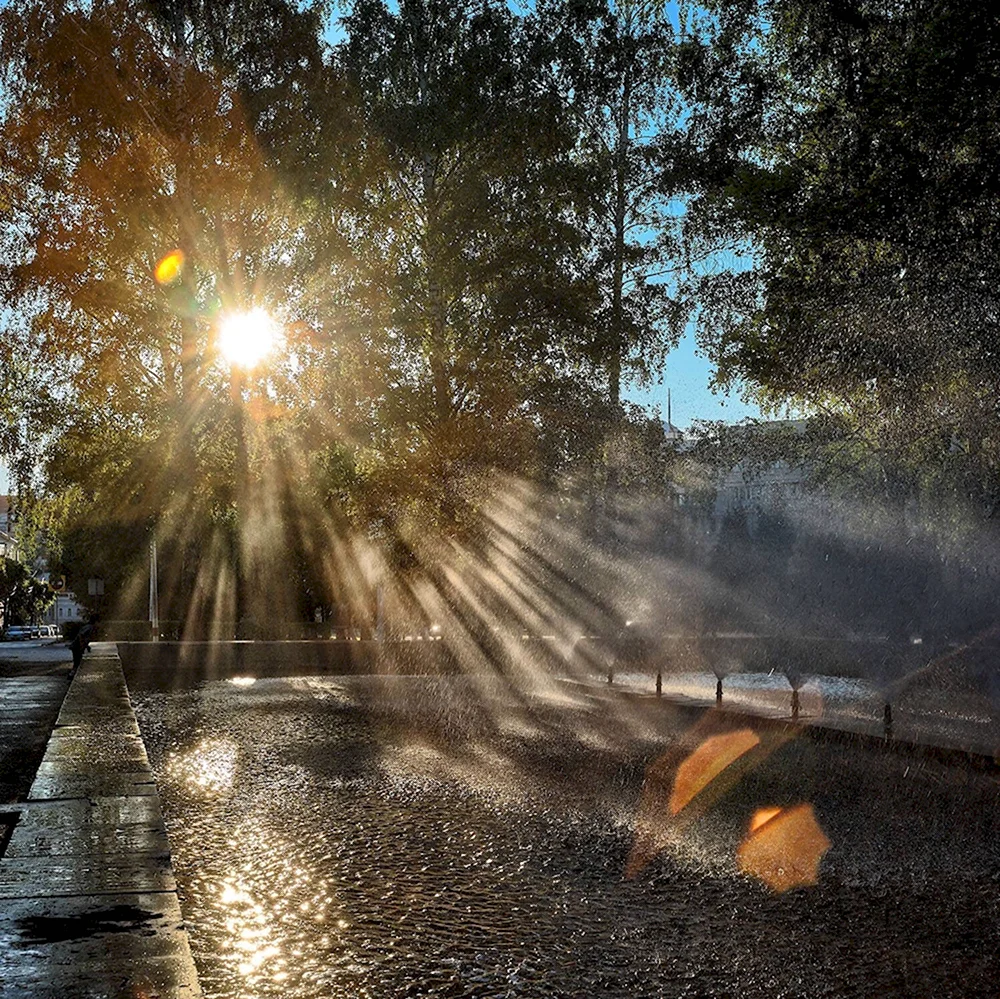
(688, 375)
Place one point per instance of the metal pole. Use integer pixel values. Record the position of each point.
(380, 612)
(154, 593)
(242, 476)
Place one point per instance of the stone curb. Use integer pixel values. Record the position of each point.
(88, 900)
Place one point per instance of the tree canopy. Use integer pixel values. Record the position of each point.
(471, 227)
(850, 160)
(412, 206)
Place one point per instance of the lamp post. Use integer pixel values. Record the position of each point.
(241, 475)
(154, 591)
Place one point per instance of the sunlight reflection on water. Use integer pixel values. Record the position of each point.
(205, 768)
(362, 837)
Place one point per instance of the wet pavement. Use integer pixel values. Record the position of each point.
(34, 677)
(459, 836)
(377, 836)
(88, 905)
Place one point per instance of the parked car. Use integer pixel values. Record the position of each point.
(17, 633)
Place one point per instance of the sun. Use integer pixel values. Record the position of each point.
(246, 338)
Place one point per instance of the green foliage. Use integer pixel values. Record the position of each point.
(614, 65)
(12, 575)
(423, 208)
(850, 154)
(465, 292)
(24, 599)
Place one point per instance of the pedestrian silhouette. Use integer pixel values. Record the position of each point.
(81, 642)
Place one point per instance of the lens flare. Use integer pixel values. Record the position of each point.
(783, 847)
(169, 269)
(713, 756)
(246, 338)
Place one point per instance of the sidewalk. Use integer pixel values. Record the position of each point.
(88, 903)
(34, 678)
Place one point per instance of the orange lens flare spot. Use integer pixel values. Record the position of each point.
(762, 816)
(783, 847)
(169, 269)
(707, 762)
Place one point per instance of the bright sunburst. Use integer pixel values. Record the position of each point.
(246, 338)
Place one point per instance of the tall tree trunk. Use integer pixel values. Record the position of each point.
(187, 297)
(617, 347)
(439, 353)
(436, 307)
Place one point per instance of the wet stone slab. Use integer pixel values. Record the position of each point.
(105, 827)
(109, 945)
(124, 971)
(124, 840)
(93, 785)
(88, 903)
(119, 749)
(88, 704)
(35, 877)
(96, 813)
(85, 723)
(92, 747)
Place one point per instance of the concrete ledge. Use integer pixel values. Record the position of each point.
(224, 659)
(88, 903)
(946, 738)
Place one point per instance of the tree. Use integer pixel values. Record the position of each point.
(864, 179)
(23, 599)
(615, 65)
(407, 206)
(467, 284)
(12, 574)
(122, 149)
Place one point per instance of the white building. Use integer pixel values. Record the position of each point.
(8, 543)
(764, 488)
(64, 609)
